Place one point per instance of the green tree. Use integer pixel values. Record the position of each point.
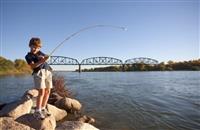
(22, 66)
(17, 67)
(161, 66)
(6, 65)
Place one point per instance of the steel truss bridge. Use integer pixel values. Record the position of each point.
(61, 60)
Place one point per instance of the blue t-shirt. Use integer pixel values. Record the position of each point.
(30, 57)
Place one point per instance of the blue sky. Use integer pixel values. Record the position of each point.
(159, 29)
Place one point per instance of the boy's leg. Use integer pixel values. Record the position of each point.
(40, 99)
(40, 85)
(46, 97)
(39, 81)
(38, 112)
(48, 84)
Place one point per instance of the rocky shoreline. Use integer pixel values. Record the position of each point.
(18, 115)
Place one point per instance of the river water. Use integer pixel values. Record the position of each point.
(128, 100)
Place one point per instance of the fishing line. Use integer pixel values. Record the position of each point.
(82, 30)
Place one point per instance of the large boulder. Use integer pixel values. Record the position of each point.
(17, 108)
(54, 97)
(2, 105)
(49, 123)
(59, 114)
(86, 119)
(8, 123)
(68, 104)
(32, 93)
(75, 125)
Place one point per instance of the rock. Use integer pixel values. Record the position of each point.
(2, 105)
(68, 104)
(8, 123)
(49, 123)
(32, 93)
(17, 108)
(59, 114)
(75, 125)
(86, 119)
(54, 97)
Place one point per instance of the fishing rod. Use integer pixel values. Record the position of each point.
(82, 30)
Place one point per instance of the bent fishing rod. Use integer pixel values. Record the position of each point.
(82, 30)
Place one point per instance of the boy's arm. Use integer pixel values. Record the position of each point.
(45, 55)
(35, 65)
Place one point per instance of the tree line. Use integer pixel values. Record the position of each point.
(192, 65)
(8, 67)
(19, 66)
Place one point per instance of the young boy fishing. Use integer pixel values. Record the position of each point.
(42, 76)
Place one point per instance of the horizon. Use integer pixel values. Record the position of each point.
(73, 68)
(114, 57)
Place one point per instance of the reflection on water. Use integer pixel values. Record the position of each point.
(128, 100)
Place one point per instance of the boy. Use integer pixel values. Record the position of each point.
(42, 76)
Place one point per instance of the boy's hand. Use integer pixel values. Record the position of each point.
(41, 57)
(46, 57)
(42, 60)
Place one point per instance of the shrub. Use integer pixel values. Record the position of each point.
(59, 86)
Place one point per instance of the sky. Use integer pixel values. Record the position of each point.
(160, 29)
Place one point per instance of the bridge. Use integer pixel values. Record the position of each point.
(61, 60)
(143, 60)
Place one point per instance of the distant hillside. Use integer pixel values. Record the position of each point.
(19, 66)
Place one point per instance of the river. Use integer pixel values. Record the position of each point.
(128, 100)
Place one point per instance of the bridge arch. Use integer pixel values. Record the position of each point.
(61, 60)
(101, 61)
(143, 60)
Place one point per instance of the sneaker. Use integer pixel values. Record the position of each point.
(46, 112)
(39, 115)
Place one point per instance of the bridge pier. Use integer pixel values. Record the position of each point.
(79, 68)
(123, 67)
